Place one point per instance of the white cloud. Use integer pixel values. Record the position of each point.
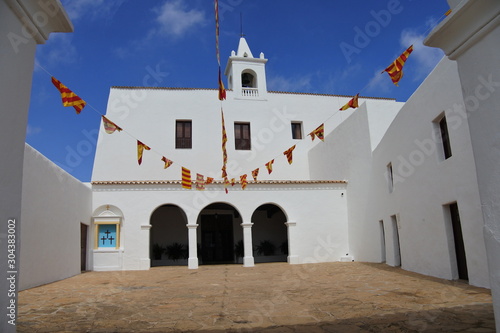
(58, 50)
(175, 20)
(32, 130)
(296, 84)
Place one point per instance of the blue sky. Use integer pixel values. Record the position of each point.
(315, 46)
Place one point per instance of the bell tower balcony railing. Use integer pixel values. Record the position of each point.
(249, 92)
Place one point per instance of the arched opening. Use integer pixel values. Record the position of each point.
(220, 234)
(168, 236)
(248, 80)
(269, 234)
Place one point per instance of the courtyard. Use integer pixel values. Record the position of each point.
(273, 297)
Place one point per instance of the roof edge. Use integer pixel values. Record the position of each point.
(250, 182)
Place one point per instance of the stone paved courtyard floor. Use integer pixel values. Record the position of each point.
(277, 297)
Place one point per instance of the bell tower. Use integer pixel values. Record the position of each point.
(246, 75)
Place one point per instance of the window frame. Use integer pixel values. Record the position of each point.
(294, 131)
(183, 142)
(97, 225)
(239, 140)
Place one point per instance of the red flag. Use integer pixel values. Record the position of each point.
(288, 154)
(140, 148)
(69, 98)
(395, 70)
(210, 180)
(109, 126)
(244, 182)
(167, 162)
(353, 103)
(255, 173)
(318, 132)
(269, 166)
(186, 178)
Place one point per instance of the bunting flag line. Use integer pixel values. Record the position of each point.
(269, 166)
(288, 154)
(140, 149)
(255, 173)
(318, 132)
(226, 184)
(186, 178)
(167, 162)
(109, 126)
(395, 70)
(69, 98)
(244, 182)
(216, 8)
(224, 142)
(209, 180)
(200, 182)
(353, 103)
(222, 90)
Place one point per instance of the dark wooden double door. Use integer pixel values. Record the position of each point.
(217, 245)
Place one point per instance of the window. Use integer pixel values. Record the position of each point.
(107, 234)
(242, 136)
(183, 134)
(296, 130)
(445, 137)
(390, 177)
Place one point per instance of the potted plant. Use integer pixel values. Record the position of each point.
(157, 250)
(175, 251)
(266, 248)
(239, 250)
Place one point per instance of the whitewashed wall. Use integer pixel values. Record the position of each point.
(319, 210)
(424, 182)
(54, 204)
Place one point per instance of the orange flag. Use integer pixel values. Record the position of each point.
(255, 173)
(140, 149)
(318, 132)
(288, 154)
(244, 182)
(269, 166)
(167, 162)
(395, 70)
(109, 126)
(186, 178)
(210, 180)
(69, 98)
(353, 103)
(200, 182)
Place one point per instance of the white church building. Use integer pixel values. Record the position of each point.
(408, 184)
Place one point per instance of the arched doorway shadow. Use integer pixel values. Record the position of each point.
(219, 232)
(269, 234)
(168, 236)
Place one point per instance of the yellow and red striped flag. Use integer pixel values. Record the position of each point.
(216, 9)
(167, 162)
(233, 181)
(222, 89)
(353, 103)
(244, 182)
(318, 132)
(200, 182)
(269, 166)
(69, 98)
(140, 149)
(109, 126)
(210, 180)
(288, 154)
(226, 184)
(255, 173)
(224, 142)
(395, 70)
(186, 178)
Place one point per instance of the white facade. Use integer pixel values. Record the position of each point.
(55, 205)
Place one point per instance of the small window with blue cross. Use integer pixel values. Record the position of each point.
(107, 235)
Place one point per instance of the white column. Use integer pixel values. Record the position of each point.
(193, 246)
(292, 258)
(248, 260)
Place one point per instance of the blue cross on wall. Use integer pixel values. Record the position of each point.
(107, 235)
